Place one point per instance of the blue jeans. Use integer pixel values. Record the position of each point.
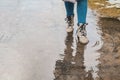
(81, 10)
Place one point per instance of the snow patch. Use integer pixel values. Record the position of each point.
(115, 3)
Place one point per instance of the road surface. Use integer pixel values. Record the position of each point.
(35, 46)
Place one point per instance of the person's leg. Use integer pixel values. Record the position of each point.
(81, 11)
(81, 14)
(69, 8)
(69, 16)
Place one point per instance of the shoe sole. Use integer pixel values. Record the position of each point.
(81, 41)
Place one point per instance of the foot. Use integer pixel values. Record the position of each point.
(82, 34)
(70, 23)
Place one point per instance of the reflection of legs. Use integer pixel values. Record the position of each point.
(78, 68)
(79, 60)
(70, 16)
(79, 63)
(62, 69)
(68, 51)
(79, 57)
(81, 11)
(69, 8)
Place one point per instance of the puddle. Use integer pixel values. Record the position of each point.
(80, 61)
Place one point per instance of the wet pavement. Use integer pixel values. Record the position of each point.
(35, 46)
(110, 51)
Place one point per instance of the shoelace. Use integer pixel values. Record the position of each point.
(68, 20)
(82, 30)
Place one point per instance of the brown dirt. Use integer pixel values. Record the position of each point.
(102, 10)
(109, 67)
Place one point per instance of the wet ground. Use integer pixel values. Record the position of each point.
(35, 46)
(106, 8)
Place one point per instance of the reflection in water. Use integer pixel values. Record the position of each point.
(109, 67)
(72, 67)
